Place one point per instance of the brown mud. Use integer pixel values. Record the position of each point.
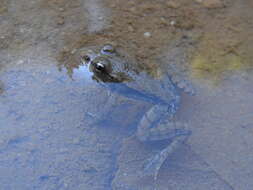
(222, 32)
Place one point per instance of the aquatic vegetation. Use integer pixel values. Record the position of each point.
(214, 67)
(3, 6)
(222, 50)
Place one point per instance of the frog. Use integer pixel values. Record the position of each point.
(116, 72)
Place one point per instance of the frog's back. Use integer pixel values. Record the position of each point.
(161, 89)
(157, 90)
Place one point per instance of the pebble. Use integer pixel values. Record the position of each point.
(172, 23)
(73, 51)
(147, 34)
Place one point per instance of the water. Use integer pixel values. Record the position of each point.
(47, 141)
(50, 138)
(67, 132)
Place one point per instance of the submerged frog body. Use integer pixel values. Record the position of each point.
(114, 72)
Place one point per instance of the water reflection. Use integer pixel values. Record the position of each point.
(47, 141)
(59, 133)
(82, 73)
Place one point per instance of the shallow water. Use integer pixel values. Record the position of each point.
(50, 138)
(47, 141)
(67, 132)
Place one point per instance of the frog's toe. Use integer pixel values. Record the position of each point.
(164, 130)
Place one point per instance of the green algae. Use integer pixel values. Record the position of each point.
(215, 68)
(216, 57)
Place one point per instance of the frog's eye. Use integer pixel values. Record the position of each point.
(99, 67)
(108, 49)
(85, 58)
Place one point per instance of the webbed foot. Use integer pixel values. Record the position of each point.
(153, 165)
(157, 127)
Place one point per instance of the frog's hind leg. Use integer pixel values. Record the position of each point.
(157, 125)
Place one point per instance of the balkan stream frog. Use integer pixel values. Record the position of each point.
(115, 72)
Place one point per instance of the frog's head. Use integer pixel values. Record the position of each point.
(106, 69)
(86, 55)
(104, 63)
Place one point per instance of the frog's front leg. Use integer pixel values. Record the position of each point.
(157, 125)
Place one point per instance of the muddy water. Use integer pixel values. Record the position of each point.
(57, 133)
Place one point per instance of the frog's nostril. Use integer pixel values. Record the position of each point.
(85, 58)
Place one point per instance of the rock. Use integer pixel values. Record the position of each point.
(147, 34)
(172, 23)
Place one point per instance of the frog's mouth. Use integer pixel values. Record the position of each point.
(109, 77)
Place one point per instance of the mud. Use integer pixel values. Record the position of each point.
(221, 34)
(226, 43)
